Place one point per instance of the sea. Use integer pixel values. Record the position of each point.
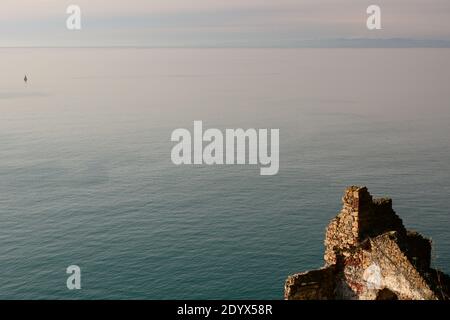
(86, 176)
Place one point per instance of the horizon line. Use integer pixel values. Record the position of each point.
(225, 47)
(328, 43)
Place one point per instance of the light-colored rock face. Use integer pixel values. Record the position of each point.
(379, 265)
(370, 255)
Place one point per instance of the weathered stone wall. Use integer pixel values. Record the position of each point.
(311, 285)
(361, 217)
(379, 217)
(342, 232)
(370, 255)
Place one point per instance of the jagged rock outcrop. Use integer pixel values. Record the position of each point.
(370, 255)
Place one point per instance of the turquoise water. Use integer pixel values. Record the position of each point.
(86, 176)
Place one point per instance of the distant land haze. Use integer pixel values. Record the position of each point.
(232, 23)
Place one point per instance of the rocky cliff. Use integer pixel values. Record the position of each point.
(370, 255)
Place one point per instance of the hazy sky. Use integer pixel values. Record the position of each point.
(218, 22)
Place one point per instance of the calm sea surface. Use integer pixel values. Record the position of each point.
(86, 176)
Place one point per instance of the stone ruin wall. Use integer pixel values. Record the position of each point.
(311, 285)
(370, 255)
(360, 217)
